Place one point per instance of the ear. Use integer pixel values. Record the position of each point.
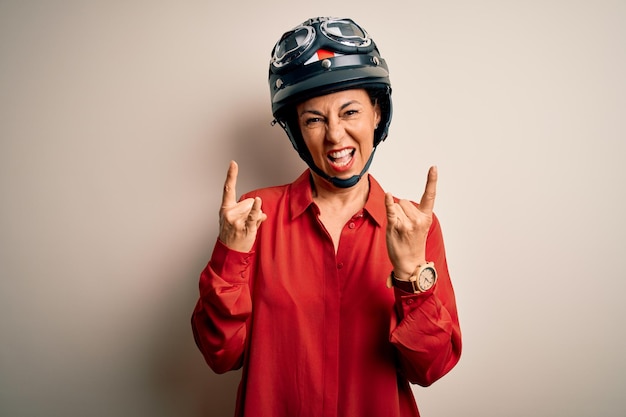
(377, 113)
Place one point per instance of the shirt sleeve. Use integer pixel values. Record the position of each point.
(220, 318)
(425, 330)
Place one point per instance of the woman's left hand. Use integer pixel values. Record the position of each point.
(407, 228)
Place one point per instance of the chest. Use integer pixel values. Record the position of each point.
(301, 266)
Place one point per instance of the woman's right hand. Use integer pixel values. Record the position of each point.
(239, 221)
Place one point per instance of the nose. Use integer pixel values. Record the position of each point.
(334, 130)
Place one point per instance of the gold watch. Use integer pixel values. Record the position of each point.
(423, 279)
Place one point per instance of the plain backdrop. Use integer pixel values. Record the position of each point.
(117, 122)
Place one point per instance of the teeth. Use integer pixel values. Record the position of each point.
(340, 154)
(341, 158)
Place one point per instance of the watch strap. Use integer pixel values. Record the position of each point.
(407, 286)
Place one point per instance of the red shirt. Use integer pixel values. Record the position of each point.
(318, 333)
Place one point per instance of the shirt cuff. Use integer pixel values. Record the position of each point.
(409, 301)
(231, 265)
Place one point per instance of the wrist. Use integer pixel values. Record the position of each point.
(404, 272)
(422, 279)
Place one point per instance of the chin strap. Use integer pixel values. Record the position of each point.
(338, 182)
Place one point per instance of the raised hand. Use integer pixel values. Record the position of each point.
(407, 228)
(239, 221)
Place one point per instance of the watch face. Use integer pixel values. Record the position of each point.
(426, 279)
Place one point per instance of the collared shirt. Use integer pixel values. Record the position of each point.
(317, 331)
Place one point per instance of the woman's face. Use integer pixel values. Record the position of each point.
(338, 129)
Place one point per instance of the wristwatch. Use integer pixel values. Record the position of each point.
(423, 279)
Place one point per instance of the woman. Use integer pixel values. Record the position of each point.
(332, 295)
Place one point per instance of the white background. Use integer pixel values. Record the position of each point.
(117, 122)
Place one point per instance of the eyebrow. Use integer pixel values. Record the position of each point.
(319, 113)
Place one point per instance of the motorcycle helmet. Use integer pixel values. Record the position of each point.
(324, 55)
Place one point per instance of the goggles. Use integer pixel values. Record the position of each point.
(300, 43)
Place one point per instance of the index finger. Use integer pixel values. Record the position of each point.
(230, 193)
(389, 205)
(427, 203)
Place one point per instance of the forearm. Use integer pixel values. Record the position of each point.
(427, 339)
(426, 331)
(220, 318)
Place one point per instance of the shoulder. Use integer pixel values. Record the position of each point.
(276, 193)
(268, 193)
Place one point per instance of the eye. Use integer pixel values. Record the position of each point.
(312, 121)
(351, 113)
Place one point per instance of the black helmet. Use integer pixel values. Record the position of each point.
(321, 56)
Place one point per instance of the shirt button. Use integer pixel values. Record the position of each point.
(352, 225)
(340, 265)
(409, 302)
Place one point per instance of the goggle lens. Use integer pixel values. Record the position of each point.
(345, 32)
(291, 45)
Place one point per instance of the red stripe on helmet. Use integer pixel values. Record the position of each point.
(323, 54)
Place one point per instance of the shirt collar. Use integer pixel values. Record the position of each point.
(301, 194)
(302, 197)
(375, 204)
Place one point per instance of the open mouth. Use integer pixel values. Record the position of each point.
(341, 158)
